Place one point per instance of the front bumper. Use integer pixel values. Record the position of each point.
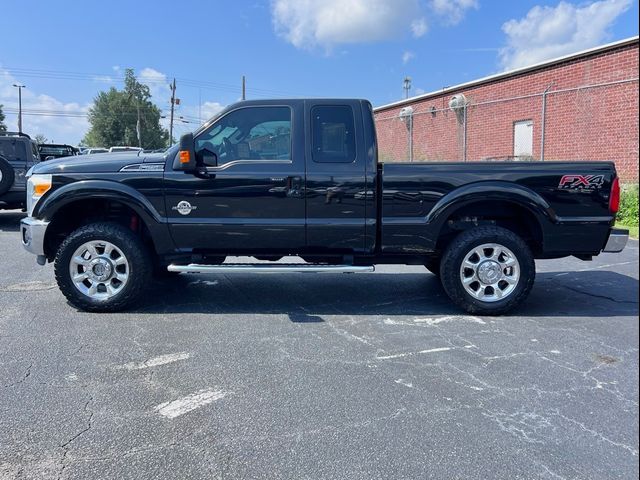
(617, 240)
(32, 232)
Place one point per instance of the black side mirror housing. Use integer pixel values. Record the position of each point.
(186, 158)
(209, 158)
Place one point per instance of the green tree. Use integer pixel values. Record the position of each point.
(115, 114)
(3, 127)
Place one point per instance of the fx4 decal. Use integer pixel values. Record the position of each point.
(584, 183)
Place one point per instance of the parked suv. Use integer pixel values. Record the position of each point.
(18, 153)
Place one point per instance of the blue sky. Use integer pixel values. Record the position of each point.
(67, 51)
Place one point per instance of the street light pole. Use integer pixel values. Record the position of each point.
(406, 85)
(19, 87)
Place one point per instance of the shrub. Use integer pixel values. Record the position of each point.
(628, 213)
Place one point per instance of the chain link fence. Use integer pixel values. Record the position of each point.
(592, 122)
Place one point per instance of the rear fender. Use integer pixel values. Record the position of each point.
(491, 191)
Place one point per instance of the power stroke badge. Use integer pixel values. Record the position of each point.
(184, 207)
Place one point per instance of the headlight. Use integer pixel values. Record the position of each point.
(37, 186)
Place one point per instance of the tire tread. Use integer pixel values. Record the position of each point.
(137, 255)
(449, 271)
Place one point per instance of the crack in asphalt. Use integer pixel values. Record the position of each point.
(595, 295)
(65, 446)
(22, 379)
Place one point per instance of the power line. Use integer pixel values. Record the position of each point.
(110, 77)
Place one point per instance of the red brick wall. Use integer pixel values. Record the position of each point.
(585, 120)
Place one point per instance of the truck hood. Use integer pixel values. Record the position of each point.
(96, 163)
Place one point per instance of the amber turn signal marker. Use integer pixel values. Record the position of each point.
(41, 188)
(184, 156)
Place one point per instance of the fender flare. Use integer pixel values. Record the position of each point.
(499, 191)
(50, 204)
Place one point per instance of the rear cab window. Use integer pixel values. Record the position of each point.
(333, 134)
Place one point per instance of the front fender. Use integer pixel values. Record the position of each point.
(47, 207)
(491, 191)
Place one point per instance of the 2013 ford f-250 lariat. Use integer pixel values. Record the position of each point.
(301, 177)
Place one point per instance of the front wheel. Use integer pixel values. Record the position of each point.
(102, 267)
(487, 270)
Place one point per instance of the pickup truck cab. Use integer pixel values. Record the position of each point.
(301, 177)
(51, 151)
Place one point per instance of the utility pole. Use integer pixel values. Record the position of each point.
(138, 126)
(244, 88)
(19, 87)
(173, 101)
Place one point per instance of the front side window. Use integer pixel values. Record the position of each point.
(252, 133)
(333, 139)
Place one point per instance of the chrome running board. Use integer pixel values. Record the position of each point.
(268, 268)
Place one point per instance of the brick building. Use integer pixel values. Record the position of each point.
(582, 106)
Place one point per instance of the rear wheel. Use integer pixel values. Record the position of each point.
(487, 270)
(102, 267)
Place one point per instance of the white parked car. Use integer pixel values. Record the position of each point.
(125, 149)
(89, 151)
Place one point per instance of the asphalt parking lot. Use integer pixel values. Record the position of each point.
(320, 376)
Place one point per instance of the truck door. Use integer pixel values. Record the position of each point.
(254, 198)
(336, 177)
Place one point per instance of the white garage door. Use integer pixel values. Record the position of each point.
(523, 138)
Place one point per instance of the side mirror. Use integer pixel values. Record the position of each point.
(209, 158)
(186, 158)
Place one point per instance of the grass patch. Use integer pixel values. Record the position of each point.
(633, 230)
(628, 213)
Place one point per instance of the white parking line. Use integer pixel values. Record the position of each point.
(156, 361)
(449, 318)
(178, 407)
(431, 350)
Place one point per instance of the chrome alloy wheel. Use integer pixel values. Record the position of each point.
(99, 269)
(490, 272)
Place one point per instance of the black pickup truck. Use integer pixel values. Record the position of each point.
(274, 178)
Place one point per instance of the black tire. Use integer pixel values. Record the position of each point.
(7, 176)
(462, 245)
(433, 265)
(139, 264)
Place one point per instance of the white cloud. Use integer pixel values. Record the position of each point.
(103, 79)
(158, 84)
(193, 114)
(407, 57)
(66, 122)
(453, 11)
(327, 23)
(58, 121)
(549, 32)
(209, 109)
(419, 27)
